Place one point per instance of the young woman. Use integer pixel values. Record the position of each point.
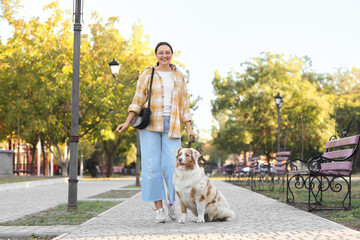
(159, 140)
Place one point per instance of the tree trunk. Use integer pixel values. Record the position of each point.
(268, 158)
(45, 161)
(64, 169)
(33, 152)
(62, 163)
(110, 155)
(109, 164)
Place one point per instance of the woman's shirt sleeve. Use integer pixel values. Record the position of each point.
(185, 115)
(140, 96)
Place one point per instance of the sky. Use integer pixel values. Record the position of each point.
(220, 35)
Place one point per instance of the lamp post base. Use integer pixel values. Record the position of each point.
(72, 207)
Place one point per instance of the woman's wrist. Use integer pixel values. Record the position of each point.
(130, 117)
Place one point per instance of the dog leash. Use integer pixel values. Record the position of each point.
(192, 140)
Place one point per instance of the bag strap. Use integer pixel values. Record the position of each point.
(152, 77)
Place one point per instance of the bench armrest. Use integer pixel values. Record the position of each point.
(265, 165)
(315, 163)
(290, 164)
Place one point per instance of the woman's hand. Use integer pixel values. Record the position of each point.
(191, 133)
(122, 127)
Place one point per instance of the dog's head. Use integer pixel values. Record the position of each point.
(187, 158)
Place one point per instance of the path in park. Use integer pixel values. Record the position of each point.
(258, 217)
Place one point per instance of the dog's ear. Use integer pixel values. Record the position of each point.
(177, 151)
(195, 153)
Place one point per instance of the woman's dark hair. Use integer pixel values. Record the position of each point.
(163, 43)
(160, 44)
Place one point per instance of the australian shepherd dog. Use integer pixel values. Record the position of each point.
(195, 190)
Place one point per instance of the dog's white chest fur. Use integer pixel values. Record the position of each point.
(184, 182)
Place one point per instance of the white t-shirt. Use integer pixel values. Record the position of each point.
(168, 83)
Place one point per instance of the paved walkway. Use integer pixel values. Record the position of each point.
(258, 217)
(20, 199)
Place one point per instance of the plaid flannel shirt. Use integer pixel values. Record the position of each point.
(180, 110)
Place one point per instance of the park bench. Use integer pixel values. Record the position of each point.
(234, 172)
(239, 174)
(329, 172)
(297, 176)
(255, 173)
(24, 168)
(271, 175)
(229, 169)
(279, 170)
(103, 169)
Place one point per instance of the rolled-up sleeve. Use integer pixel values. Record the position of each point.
(185, 109)
(140, 96)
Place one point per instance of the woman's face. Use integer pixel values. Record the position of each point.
(164, 55)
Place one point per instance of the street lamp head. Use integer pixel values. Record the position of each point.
(114, 67)
(278, 100)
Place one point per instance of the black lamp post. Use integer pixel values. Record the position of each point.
(74, 136)
(278, 101)
(115, 67)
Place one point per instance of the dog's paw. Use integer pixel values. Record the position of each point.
(182, 219)
(200, 219)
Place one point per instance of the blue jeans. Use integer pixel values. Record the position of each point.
(158, 161)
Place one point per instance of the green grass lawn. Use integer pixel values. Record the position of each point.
(61, 216)
(14, 179)
(117, 194)
(350, 218)
(133, 186)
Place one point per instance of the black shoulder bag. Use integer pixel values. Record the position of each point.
(142, 120)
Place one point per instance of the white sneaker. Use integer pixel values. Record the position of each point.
(160, 216)
(172, 212)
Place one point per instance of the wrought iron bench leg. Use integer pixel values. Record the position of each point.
(282, 187)
(248, 180)
(272, 182)
(349, 188)
(309, 194)
(321, 189)
(318, 195)
(252, 182)
(259, 181)
(287, 189)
